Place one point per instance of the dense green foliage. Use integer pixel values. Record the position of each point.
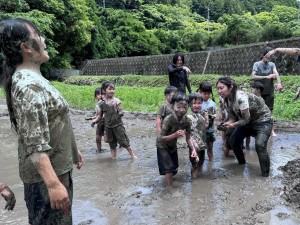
(77, 30)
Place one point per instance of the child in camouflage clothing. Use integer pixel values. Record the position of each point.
(199, 125)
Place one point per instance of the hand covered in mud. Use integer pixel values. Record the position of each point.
(194, 155)
(179, 133)
(279, 87)
(229, 125)
(80, 162)
(9, 197)
(59, 198)
(221, 127)
(297, 94)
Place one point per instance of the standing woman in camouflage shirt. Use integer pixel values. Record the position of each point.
(39, 114)
(248, 116)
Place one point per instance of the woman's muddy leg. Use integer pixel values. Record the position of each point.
(261, 143)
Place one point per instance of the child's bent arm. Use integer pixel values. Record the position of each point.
(206, 120)
(158, 124)
(177, 134)
(190, 144)
(120, 110)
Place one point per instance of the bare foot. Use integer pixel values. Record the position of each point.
(273, 134)
(133, 157)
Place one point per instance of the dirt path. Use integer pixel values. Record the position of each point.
(131, 192)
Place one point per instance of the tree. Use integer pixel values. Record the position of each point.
(285, 13)
(13, 6)
(241, 29)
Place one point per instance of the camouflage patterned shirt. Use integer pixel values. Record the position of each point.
(170, 126)
(198, 129)
(44, 125)
(164, 110)
(259, 111)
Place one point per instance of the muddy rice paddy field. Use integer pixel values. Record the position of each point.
(125, 191)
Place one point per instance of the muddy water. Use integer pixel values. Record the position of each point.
(131, 192)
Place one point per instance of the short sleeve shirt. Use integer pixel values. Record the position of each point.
(259, 111)
(198, 129)
(164, 110)
(170, 126)
(263, 69)
(110, 110)
(44, 125)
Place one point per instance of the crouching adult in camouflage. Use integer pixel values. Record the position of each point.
(39, 115)
(248, 116)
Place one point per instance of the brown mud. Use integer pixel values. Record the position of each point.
(125, 191)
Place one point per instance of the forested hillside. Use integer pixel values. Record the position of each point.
(77, 30)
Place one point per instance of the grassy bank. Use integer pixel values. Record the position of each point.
(145, 93)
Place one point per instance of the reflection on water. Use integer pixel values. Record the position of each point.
(85, 212)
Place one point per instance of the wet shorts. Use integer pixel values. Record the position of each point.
(269, 100)
(209, 137)
(117, 135)
(167, 162)
(38, 203)
(100, 128)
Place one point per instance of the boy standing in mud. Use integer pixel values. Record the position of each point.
(175, 126)
(165, 109)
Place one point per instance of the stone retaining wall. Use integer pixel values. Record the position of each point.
(235, 61)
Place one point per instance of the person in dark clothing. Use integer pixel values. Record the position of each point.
(178, 74)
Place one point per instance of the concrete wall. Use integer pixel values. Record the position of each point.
(236, 61)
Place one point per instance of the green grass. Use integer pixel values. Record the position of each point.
(145, 93)
(2, 93)
(142, 99)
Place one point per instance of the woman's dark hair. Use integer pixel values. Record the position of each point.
(206, 87)
(266, 50)
(179, 96)
(230, 83)
(195, 96)
(176, 56)
(13, 32)
(106, 84)
(97, 92)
